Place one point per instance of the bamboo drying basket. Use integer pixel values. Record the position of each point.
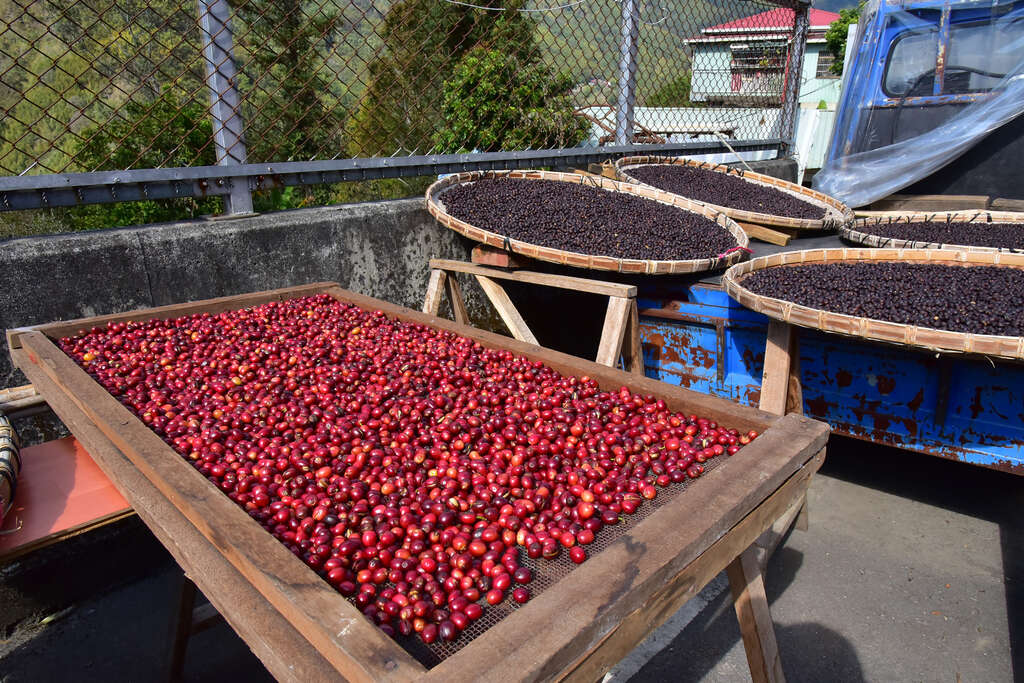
(836, 213)
(853, 232)
(435, 205)
(870, 328)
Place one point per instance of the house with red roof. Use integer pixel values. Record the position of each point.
(744, 62)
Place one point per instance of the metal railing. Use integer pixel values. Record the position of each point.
(132, 100)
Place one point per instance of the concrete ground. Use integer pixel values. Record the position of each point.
(912, 570)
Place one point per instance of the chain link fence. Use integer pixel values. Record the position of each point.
(107, 85)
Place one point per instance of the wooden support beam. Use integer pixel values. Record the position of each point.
(451, 286)
(486, 255)
(507, 310)
(775, 378)
(760, 232)
(781, 393)
(794, 388)
(435, 286)
(931, 202)
(631, 348)
(756, 628)
(577, 284)
(180, 628)
(614, 330)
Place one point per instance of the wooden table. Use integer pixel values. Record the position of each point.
(303, 630)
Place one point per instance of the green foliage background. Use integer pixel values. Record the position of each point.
(835, 36)
(318, 79)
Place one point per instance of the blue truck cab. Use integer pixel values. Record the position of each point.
(916, 65)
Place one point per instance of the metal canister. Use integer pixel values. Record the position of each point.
(10, 465)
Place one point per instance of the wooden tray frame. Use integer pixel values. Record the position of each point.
(837, 213)
(851, 232)
(589, 261)
(927, 338)
(303, 630)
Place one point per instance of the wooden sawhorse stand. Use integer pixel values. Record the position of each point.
(620, 336)
(780, 394)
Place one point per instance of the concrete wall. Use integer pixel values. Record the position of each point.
(380, 249)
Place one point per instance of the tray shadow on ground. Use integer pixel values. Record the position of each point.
(817, 652)
(978, 492)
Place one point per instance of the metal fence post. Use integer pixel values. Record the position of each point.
(225, 103)
(794, 77)
(627, 72)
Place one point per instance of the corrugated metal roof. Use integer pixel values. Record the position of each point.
(772, 20)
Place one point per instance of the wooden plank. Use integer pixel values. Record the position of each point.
(356, 648)
(578, 284)
(775, 378)
(781, 393)
(451, 286)
(794, 387)
(217, 305)
(756, 628)
(435, 286)
(507, 310)
(614, 330)
(486, 255)
(760, 232)
(285, 653)
(931, 202)
(632, 349)
(547, 635)
(179, 628)
(1001, 204)
(802, 516)
(664, 602)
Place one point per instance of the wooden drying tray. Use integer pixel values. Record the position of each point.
(837, 213)
(853, 233)
(594, 262)
(868, 328)
(303, 630)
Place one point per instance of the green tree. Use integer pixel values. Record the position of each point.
(835, 36)
(290, 111)
(399, 112)
(164, 132)
(496, 100)
(675, 93)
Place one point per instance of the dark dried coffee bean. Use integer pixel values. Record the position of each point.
(586, 219)
(962, 233)
(977, 299)
(721, 189)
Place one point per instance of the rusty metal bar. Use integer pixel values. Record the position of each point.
(794, 75)
(627, 72)
(225, 102)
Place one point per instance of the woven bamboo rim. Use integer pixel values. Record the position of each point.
(594, 262)
(852, 232)
(836, 213)
(869, 328)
